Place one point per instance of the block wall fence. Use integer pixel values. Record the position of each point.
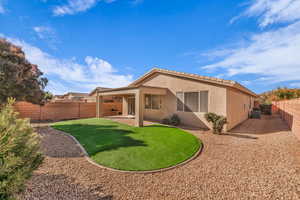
(289, 111)
(63, 110)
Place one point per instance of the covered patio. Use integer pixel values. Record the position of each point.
(133, 101)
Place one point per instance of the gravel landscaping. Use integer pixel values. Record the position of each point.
(258, 160)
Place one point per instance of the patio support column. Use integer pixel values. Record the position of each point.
(124, 106)
(139, 108)
(99, 106)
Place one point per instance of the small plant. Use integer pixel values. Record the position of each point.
(166, 121)
(174, 120)
(217, 121)
(19, 151)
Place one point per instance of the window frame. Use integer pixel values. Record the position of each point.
(186, 101)
(199, 101)
(207, 101)
(182, 102)
(151, 103)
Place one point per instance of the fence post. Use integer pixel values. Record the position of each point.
(79, 110)
(40, 112)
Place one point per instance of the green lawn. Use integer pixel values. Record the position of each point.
(125, 147)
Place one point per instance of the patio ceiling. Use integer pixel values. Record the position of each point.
(133, 91)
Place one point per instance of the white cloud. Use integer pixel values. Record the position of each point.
(274, 11)
(76, 6)
(271, 55)
(72, 7)
(44, 32)
(47, 34)
(136, 2)
(2, 10)
(245, 82)
(56, 87)
(296, 84)
(70, 74)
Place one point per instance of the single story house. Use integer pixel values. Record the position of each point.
(161, 93)
(74, 97)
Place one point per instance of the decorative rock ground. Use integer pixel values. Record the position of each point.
(263, 164)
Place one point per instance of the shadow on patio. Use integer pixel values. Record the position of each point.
(266, 125)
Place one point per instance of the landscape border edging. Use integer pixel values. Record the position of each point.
(86, 156)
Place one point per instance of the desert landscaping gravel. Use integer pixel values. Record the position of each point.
(258, 160)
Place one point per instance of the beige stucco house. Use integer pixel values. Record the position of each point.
(74, 97)
(161, 93)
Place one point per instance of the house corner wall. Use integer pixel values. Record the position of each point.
(238, 107)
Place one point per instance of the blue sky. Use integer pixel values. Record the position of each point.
(81, 44)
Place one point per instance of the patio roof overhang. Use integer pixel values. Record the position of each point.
(137, 91)
(133, 90)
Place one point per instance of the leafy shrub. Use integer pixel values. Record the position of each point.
(217, 121)
(19, 154)
(166, 121)
(174, 120)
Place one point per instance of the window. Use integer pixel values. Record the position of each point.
(180, 103)
(204, 101)
(192, 101)
(148, 101)
(153, 102)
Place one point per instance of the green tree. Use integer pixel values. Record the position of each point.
(19, 151)
(18, 77)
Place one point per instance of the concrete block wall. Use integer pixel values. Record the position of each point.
(290, 112)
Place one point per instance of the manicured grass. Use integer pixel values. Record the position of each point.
(125, 147)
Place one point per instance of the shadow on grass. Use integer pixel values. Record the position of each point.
(159, 126)
(98, 138)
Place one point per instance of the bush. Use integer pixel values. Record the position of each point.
(174, 120)
(217, 121)
(19, 154)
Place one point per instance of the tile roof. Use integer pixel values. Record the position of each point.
(208, 79)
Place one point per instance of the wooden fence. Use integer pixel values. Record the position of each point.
(56, 111)
(65, 110)
(290, 112)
